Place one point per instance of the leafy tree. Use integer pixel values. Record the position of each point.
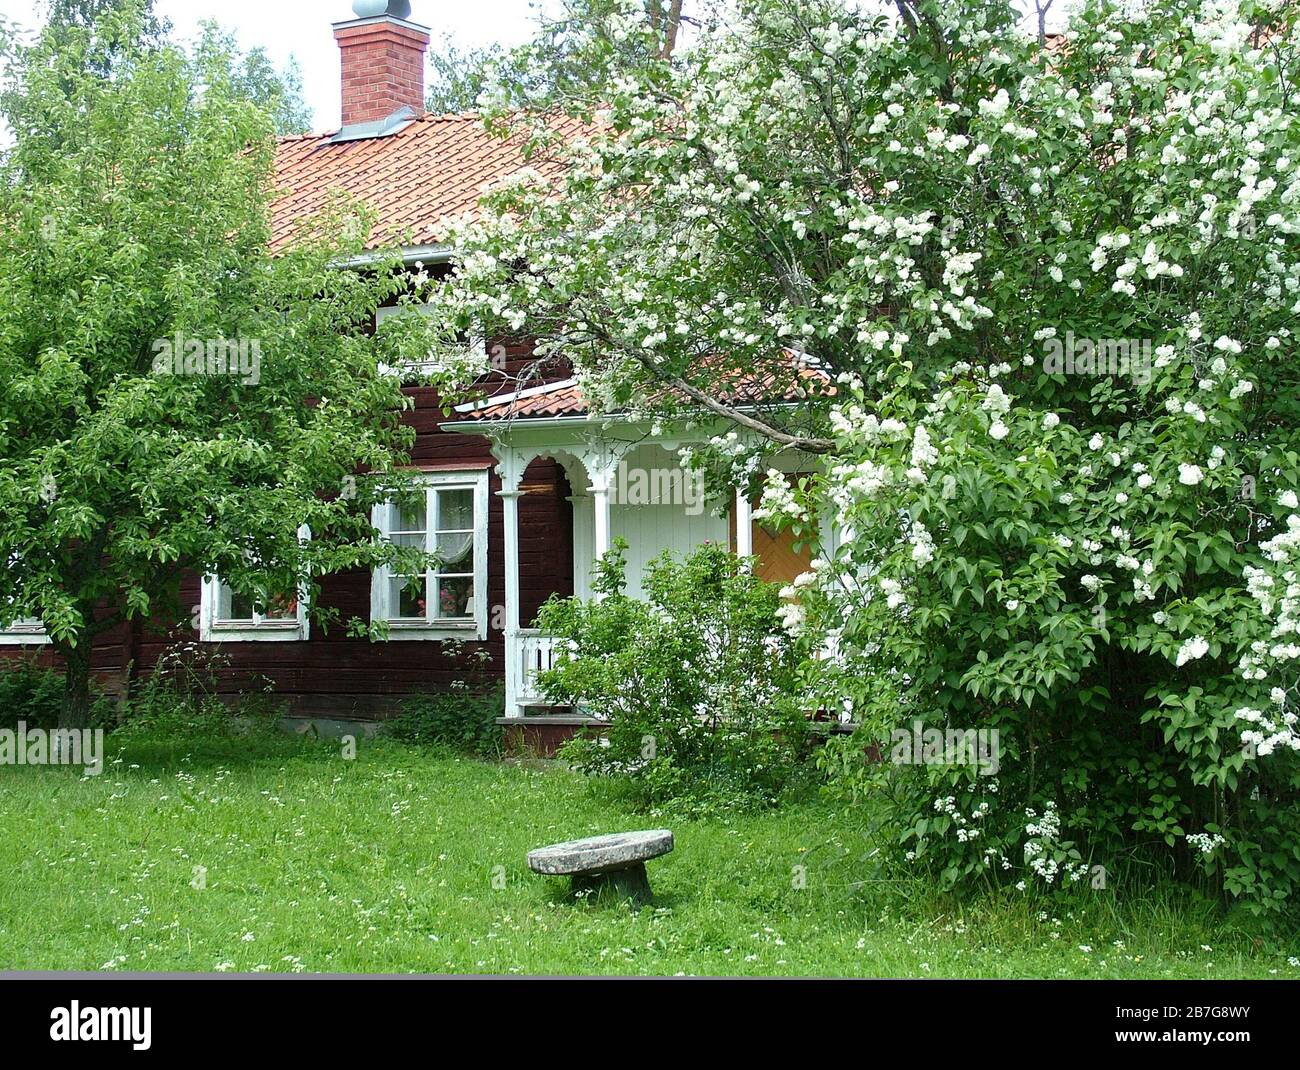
(458, 75)
(255, 77)
(1055, 289)
(563, 58)
(134, 221)
(253, 74)
(76, 16)
(83, 14)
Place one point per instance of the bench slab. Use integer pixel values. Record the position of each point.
(603, 864)
(600, 854)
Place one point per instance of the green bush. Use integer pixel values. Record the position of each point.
(29, 693)
(698, 682)
(181, 698)
(462, 719)
(34, 695)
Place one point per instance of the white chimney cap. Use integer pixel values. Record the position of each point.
(366, 9)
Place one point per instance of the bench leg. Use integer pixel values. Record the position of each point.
(631, 884)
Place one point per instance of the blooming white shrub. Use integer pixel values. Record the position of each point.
(1054, 293)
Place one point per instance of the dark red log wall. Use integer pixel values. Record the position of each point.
(334, 676)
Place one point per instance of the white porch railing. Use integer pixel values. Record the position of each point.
(533, 654)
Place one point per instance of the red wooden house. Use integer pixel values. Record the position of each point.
(525, 490)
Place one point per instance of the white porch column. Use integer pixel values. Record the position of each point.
(744, 524)
(601, 539)
(602, 479)
(600, 505)
(510, 469)
(602, 466)
(601, 460)
(582, 557)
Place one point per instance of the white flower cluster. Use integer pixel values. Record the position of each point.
(1042, 848)
(1206, 843)
(922, 544)
(1271, 730)
(924, 452)
(966, 825)
(779, 501)
(893, 592)
(793, 617)
(1275, 589)
(1193, 649)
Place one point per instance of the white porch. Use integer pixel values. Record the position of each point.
(622, 483)
(532, 653)
(627, 486)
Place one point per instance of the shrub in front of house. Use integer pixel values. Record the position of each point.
(29, 694)
(184, 696)
(34, 696)
(461, 720)
(699, 684)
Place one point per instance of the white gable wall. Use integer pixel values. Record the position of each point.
(678, 525)
(651, 529)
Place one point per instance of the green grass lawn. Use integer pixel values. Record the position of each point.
(400, 861)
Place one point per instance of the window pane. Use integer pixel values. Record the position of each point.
(281, 607)
(406, 597)
(456, 553)
(232, 606)
(411, 539)
(456, 596)
(456, 510)
(409, 517)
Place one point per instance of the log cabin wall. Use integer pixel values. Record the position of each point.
(336, 677)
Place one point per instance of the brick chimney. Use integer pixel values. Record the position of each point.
(383, 61)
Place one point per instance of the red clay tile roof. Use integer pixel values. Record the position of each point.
(416, 180)
(566, 398)
(555, 399)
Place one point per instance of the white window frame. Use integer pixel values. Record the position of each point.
(436, 628)
(259, 629)
(28, 632)
(477, 343)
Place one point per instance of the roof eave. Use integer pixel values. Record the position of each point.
(409, 254)
(505, 422)
(481, 427)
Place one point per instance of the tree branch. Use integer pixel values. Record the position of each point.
(718, 408)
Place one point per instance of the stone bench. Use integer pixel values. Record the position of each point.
(605, 864)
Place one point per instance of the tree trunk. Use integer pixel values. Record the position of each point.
(674, 22)
(76, 687)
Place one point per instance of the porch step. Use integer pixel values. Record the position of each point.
(553, 718)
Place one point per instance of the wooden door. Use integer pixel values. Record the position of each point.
(778, 561)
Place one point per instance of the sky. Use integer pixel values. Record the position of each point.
(302, 29)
